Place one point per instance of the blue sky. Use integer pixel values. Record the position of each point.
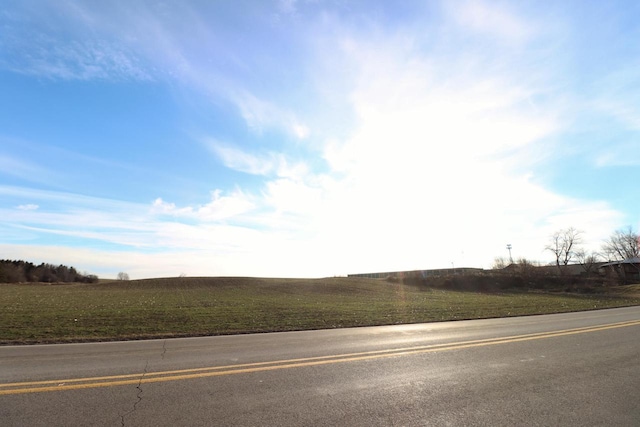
(313, 138)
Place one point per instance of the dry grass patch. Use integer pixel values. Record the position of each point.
(152, 308)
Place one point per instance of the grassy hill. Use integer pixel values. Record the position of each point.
(154, 308)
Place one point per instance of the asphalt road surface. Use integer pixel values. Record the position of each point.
(554, 370)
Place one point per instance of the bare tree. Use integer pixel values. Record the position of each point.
(527, 268)
(622, 244)
(123, 276)
(499, 263)
(587, 260)
(564, 245)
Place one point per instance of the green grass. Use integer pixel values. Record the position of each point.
(33, 313)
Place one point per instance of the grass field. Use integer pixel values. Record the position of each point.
(153, 308)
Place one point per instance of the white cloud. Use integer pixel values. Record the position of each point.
(430, 172)
(28, 207)
(617, 94)
(169, 263)
(287, 6)
(76, 41)
(615, 107)
(69, 199)
(240, 160)
(625, 153)
(219, 208)
(491, 18)
(299, 130)
(260, 115)
(291, 196)
(266, 164)
(86, 59)
(225, 207)
(26, 170)
(160, 207)
(433, 172)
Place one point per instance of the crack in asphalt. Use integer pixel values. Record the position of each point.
(139, 386)
(138, 395)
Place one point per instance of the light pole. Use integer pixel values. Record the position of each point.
(509, 248)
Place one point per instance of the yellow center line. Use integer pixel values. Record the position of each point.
(183, 374)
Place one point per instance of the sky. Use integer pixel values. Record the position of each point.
(313, 138)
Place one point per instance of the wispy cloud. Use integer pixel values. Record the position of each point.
(47, 56)
(147, 42)
(11, 165)
(260, 115)
(265, 164)
(492, 19)
(237, 159)
(620, 154)
(67, 199)
(156, 227)
(398, 142)
(28, 207)
(219, 208)
(615, 103)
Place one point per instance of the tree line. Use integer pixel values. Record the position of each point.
(565, 244)
(16, 271)
(566, 247)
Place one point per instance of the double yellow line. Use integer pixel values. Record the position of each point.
(214, 371)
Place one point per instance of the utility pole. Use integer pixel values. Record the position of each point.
(509, 248)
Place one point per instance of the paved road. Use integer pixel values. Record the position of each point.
(566, 369)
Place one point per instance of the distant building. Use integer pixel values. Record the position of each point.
(628, 269)
(423, 274)
(569, 269)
